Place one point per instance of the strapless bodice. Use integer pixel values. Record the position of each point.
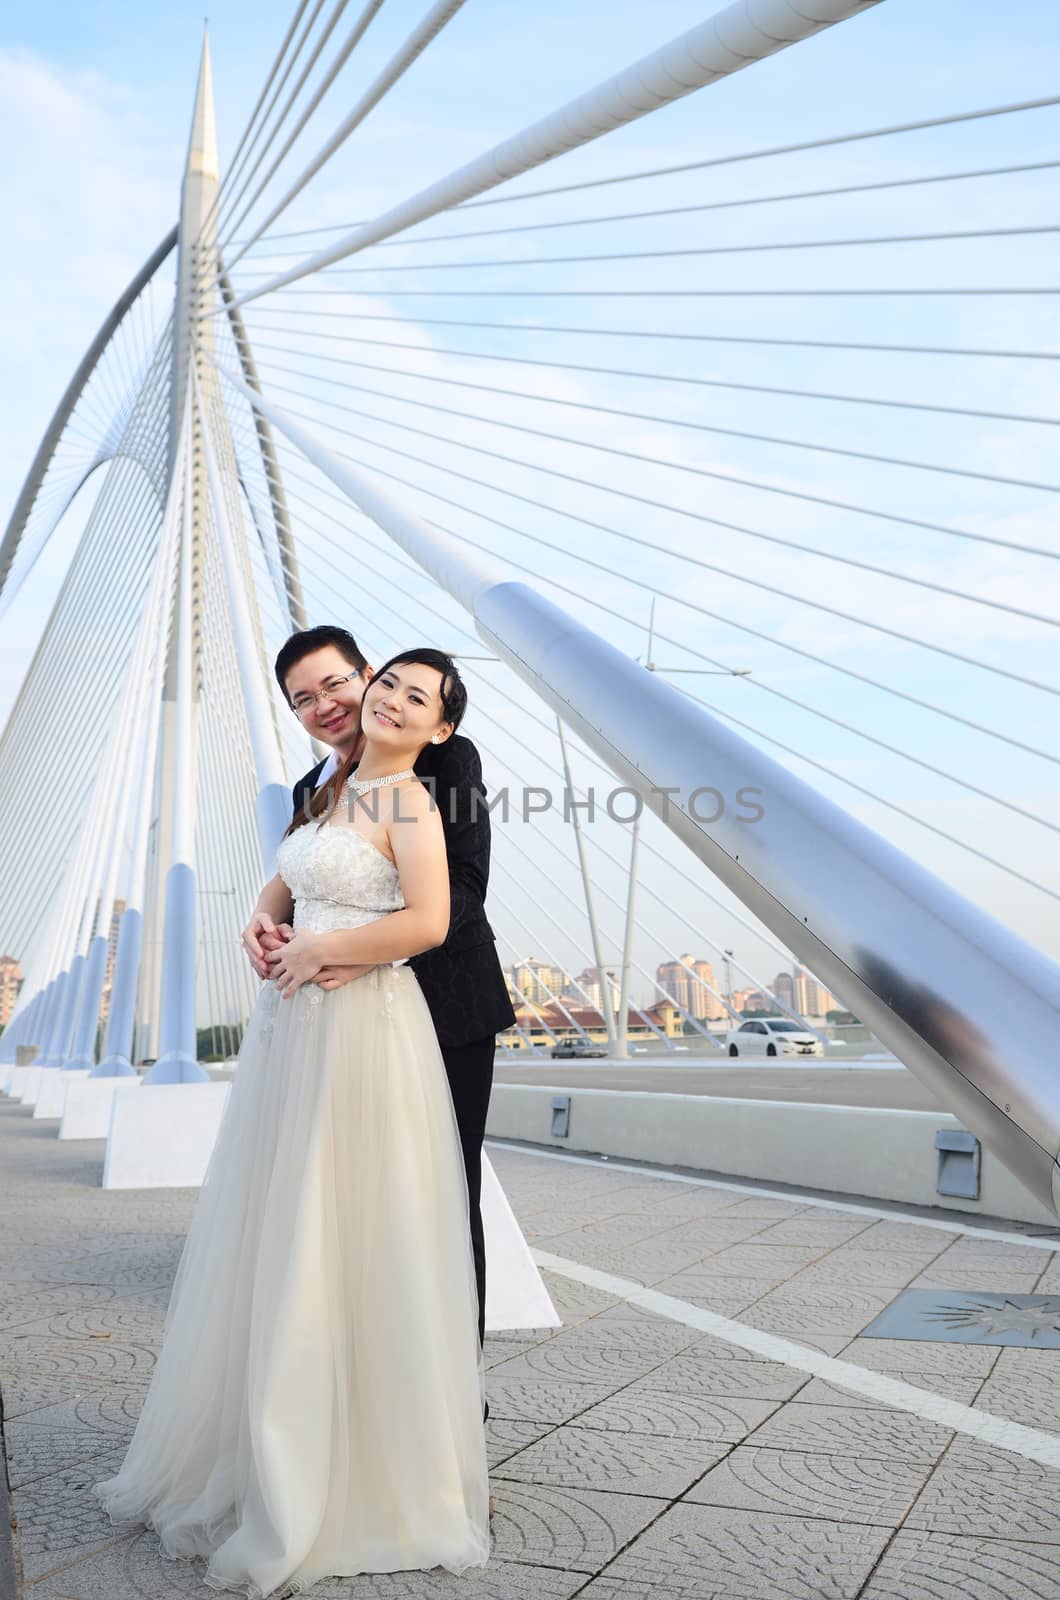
(338, 879)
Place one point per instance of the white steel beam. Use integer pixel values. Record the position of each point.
(745, 32)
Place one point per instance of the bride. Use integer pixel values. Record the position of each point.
(317, 1405)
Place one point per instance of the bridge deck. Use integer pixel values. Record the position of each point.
(887, 1088)
(636, 1455)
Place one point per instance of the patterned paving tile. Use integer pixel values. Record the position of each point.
(110, 1410)
(25, 1393)
(122, 1320)
(813, 1228)
(641, 1263)
(585, 1458)
(708, 1235)
(506, 1436)
(797, 1483)
(1049, 1283)
(590, 1361)
(579, 1529)
(863, 1269)
(726, 1295)
(94, 1361)
(921, 1355)
(693, 1373)
(697, 1374)
(1038, 1367)
(34, 1452)
(709, 1552)
(622, 1325)
(1011, 1395)
(33, 1304)
(767, 1207)
(974, 1280)
(623, 1229)
(987, 1255)
(990, 1493)
(59, 1518)
(576, 1300)
(920, 1565)
(845, 1430)
(758, 1259)
(543, 1401)
(15, 1258)
(907, 1238)
(128, 1266)
(500, 1580)
(622, 1311)
(951, 1386)
(711, 1419)
(539, 1225)
(687, 1205)
(816, 1313)
(494, 1357)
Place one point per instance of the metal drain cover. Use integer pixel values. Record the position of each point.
(958, 1316)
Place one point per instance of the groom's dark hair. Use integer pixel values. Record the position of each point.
(303, 644)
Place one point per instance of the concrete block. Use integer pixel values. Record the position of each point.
(162, 1136)
(51, 1099)
(31, 1084)
(86, 1112)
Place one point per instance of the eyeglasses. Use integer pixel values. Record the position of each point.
(306, 701)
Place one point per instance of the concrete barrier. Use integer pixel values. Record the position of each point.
(51, 1099)
(31, 1083)
(87, 1108)
(878, 1155)
(162, 1136)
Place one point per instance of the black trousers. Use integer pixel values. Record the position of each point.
(470, 1071)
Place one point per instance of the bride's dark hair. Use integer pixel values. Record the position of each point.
(453, 694)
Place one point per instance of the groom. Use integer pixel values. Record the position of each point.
(323, 675)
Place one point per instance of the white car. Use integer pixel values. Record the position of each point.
(773, 1036)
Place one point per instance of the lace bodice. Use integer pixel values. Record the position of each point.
(337, 877)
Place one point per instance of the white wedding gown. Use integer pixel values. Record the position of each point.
(316, 1409)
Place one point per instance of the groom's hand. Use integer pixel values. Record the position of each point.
(337, 977)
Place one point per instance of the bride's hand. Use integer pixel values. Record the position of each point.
(296, 963)
(337, 977)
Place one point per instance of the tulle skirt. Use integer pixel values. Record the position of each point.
(316, 1409)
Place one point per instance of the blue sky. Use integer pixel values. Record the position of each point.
(96, 101)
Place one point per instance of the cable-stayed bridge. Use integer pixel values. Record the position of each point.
(774, 417)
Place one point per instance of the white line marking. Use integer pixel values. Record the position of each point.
(1031, 1443)
(605, 1164)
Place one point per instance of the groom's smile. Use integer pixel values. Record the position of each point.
(324, 688)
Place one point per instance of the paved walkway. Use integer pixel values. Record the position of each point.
(716, 1450)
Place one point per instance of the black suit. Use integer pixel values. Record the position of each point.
(461, 979)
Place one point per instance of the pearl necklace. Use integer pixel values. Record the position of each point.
(363, 787)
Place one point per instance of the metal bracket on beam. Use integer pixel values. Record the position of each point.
(959, 1163)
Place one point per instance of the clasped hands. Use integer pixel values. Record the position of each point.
(290, 959)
